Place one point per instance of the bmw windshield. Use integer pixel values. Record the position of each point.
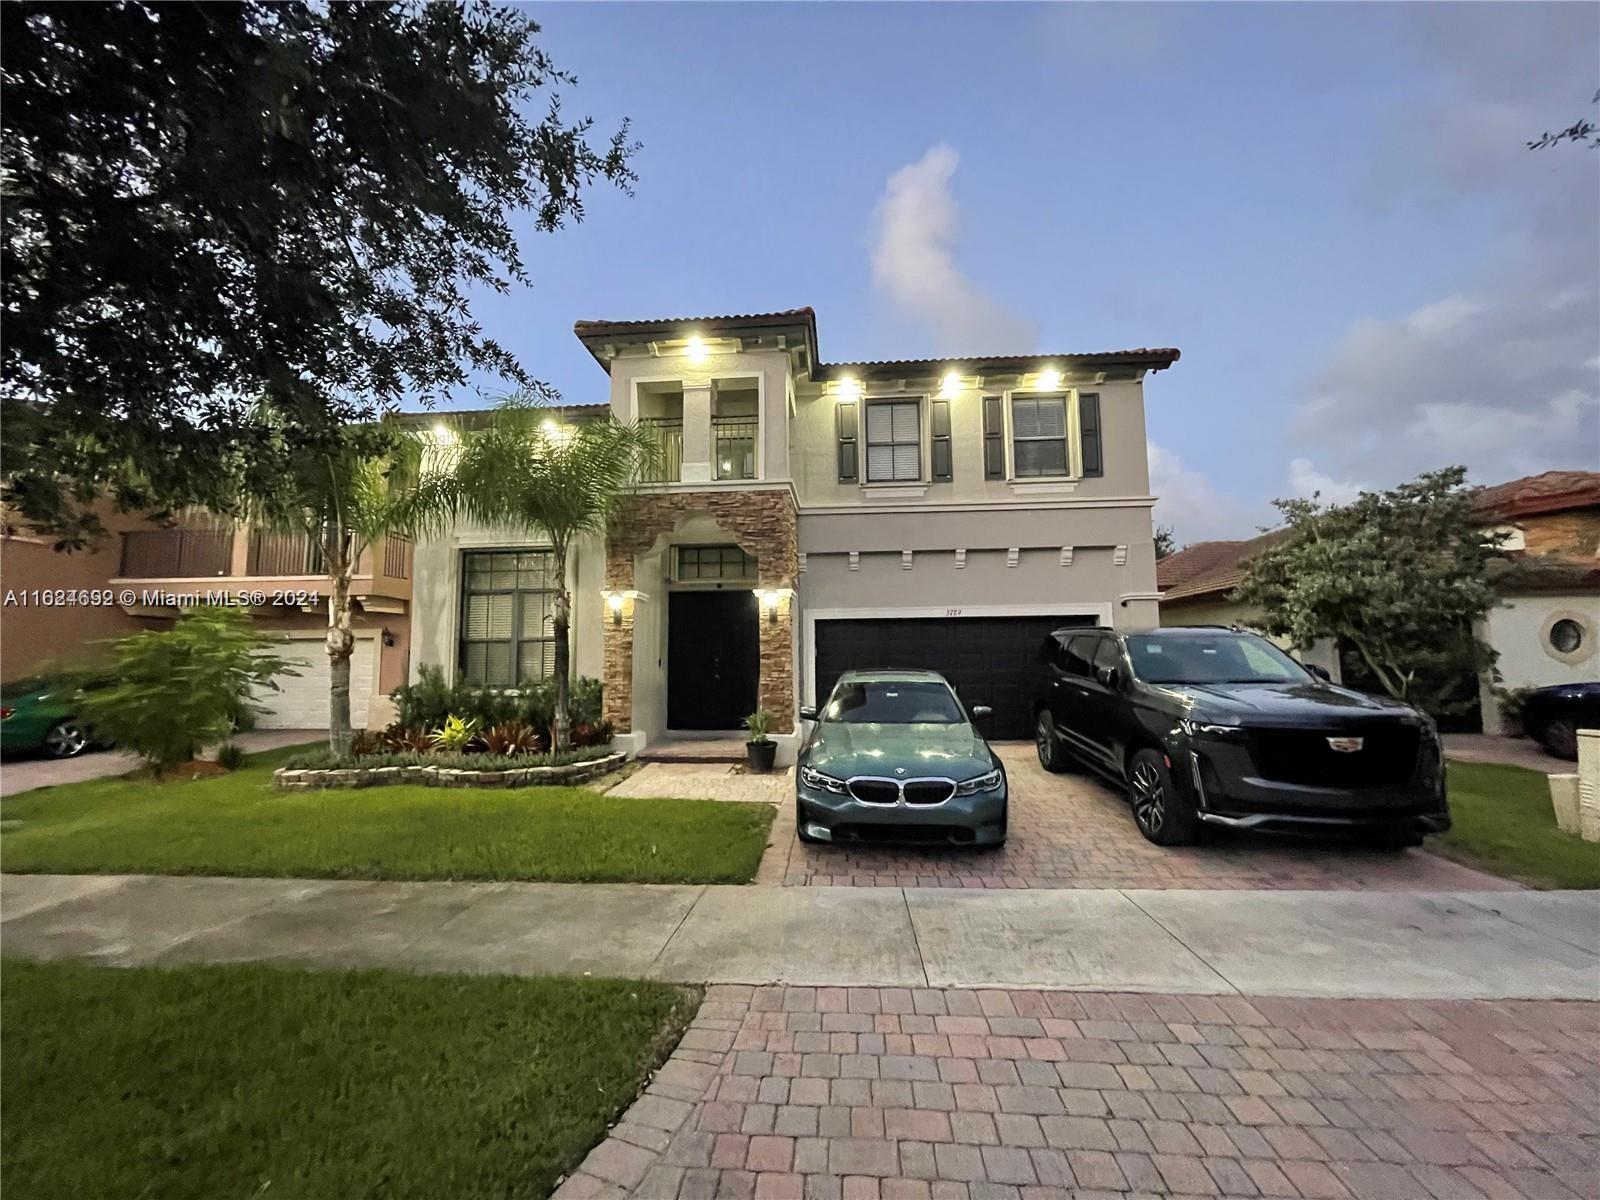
(900, 702)
(1220, 658)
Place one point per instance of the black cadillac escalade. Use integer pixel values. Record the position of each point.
(1214, 726)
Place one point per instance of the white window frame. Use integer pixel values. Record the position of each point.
(865, 470)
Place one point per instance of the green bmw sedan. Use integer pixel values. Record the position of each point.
(894, 756)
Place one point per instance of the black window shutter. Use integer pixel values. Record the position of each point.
(848, 453)
(1089, 433)
(941, 441)
(994, 450)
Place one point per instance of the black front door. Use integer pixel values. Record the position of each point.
(713, 659)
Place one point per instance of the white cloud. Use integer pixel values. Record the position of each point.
(1305, 481)
(913, 261)
(1188, 503)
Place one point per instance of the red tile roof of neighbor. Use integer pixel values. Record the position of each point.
(1552, 491)
(1207, 568)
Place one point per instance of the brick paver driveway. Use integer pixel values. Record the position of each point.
(1073, 831)
(891, 1094)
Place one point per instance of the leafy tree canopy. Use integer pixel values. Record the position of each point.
(1583, 132)
(1399, 576)
(213, 205)
(1166, 541)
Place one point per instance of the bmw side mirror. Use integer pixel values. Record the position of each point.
(1320, 672)
(808, 712)
(980, 711)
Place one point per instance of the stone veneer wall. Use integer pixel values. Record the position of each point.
(762, 522)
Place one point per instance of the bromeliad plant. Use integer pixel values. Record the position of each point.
(454, 736)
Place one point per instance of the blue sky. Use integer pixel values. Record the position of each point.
(1329, 209)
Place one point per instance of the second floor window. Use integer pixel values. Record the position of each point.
(1039, 435)
(894, 441)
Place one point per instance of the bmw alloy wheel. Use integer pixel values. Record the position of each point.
(1149, 798)
(66, 739)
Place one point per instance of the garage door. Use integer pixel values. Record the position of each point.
(986, 658)
(302, 702)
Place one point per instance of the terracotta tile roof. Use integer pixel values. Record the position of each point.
(1535, 573)
(787, 316)
(1552, 491)
(1207, 568)
(1152, 359)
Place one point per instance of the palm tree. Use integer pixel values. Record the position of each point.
(344, 500)
(525, 468)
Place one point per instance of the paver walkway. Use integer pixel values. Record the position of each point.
(806, 1093)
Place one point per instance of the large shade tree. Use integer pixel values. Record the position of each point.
(558, 481)
(213, 205)
(1398, 576)
(345, 502)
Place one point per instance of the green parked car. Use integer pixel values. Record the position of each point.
(38, 715)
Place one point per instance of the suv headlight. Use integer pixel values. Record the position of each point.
(1223, 733)
(822, 783)
(983, 783)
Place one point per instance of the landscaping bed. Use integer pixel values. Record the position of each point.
(241, 824)
(199, 1082)
(1503, 822)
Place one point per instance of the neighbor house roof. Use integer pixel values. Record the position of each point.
(1209, 568)
(1552, 491)
(1534, 574)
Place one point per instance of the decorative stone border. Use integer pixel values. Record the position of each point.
(361, 777)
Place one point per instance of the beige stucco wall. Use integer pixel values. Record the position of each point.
(1518, 630)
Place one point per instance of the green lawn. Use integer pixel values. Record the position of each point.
(246, 1081)
(1503, 823)
(239, 825)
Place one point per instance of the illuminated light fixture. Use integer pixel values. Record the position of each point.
(849, 389)
(550, 427)
(616, 602)
(443, 432)
(770, 599)
(1048, 381)
(696, 349)
(949, 385)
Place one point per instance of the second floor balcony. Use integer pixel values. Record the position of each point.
(260, 556)
(668, 432)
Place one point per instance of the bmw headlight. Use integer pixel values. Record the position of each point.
(983, 783)
(822, 783)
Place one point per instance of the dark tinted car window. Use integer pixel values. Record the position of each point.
(899, 702)
(1080, 653)
(1107, 655)
(1222, 658)
(1050, 651)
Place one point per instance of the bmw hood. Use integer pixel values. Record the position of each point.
(843, 750)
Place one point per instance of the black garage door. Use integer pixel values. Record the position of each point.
(986, 658)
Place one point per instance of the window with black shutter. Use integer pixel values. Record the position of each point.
(939, 429)
(894, 441)
(1039, 435)
(849, 465)
(1089, 433)
(994, 434)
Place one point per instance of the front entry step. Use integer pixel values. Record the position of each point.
(695, 750)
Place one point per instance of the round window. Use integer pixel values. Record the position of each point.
(1566, 635)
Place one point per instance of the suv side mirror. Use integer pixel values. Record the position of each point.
(980, 711)
(1320, 672)
(808, 712)
(1108, 676)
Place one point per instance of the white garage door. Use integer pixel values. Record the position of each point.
(302, 701)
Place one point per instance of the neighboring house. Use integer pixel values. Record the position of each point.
(812, 517)
(151, 572)
(1547, 625)
(1197, 583)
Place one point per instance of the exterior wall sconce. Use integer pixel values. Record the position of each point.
(618, 602)
(388, 637)
(770, 600)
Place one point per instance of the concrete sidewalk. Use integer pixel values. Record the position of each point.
(1413, 945)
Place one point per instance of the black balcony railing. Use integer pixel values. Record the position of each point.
(176, 554)
(668, 433)
(397, 557)
(733, 447)
(274, 554)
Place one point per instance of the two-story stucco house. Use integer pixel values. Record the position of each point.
(817, 516)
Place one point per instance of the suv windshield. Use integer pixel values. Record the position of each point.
(899, 702)
(1222, 658)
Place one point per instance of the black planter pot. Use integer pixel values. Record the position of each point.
(760, 756)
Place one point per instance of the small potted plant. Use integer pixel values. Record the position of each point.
(759, 749)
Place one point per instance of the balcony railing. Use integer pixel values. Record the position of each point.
(668, 433)
(397, 557)
(277, 554)
(733, 444)
(176, 554)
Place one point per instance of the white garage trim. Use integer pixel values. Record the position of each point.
(310, 645)
(1100, 612)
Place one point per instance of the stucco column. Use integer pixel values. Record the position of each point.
(696, 433)
(776, 690)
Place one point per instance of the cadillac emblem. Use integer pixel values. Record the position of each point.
(1345, 745)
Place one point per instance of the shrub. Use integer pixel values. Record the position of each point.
(405, 739)
(592, 734)
(323, 760)
(365, 742)
(512, 737)
(1512, 701)
(455, 735)
(178, 689)
(430, 702)
(230, 756)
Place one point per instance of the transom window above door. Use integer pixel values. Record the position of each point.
(507, 633)
(894, 441)
(715, 563)
(1039, 435)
